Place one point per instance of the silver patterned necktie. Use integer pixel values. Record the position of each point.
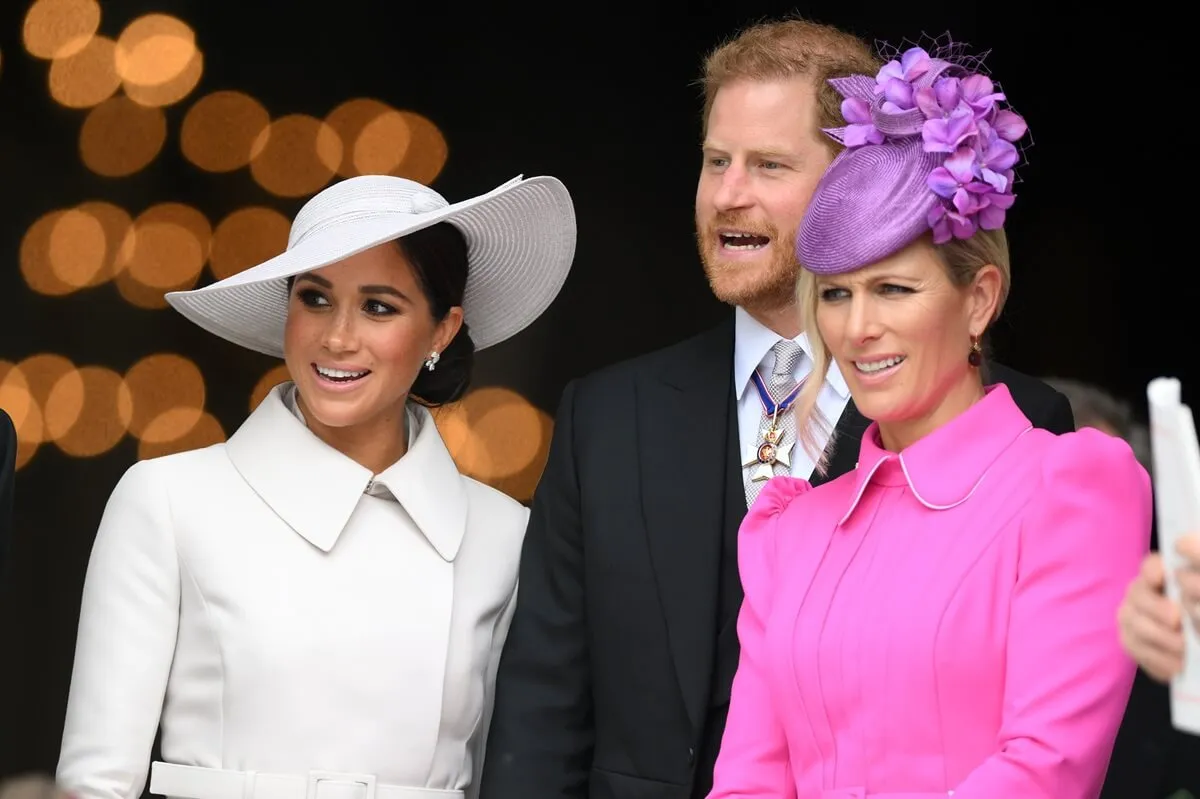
(771, 453)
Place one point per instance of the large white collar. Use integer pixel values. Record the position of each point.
(315, 489)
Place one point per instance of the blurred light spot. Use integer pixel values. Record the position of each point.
(63, 406)
(139, 294)
(154, 49)
(219, 130)
(119, 137)
(171, 425)
(168, 397)
(69, 249)
(381, 147)
(42, 373)
(77, 248)
(165, 251)
(107, 408)
(18, 402)
(427, 150)
(116, 224)
(496, 436)
(295, 156)
(348, 121)
(206, 431)
(59, 28)
(277, 375)
(247, 237)
(172, 91)
(36, 266)
(87, 77)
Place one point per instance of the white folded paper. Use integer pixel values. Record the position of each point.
(1177, 501)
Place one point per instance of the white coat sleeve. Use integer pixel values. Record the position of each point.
(127, 629)
(479, 743)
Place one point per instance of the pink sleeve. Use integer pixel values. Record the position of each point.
(1068, 681)
(753, 761)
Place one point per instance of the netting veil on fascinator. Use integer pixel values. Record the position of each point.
(929, 145)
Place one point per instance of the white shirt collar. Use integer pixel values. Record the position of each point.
(752, 340)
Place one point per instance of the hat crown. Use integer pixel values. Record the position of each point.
(363, 197)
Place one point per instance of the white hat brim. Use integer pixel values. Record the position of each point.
(520, 246)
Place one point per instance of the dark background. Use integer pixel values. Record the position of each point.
(604, 97)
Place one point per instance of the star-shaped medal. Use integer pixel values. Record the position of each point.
(764, 456)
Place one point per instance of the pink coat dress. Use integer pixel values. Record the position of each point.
(940, 622)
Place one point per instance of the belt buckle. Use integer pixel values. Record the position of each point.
(315, 778)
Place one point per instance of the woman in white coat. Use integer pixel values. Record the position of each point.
(315, 608)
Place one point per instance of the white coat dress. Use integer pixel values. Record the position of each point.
(302, 628)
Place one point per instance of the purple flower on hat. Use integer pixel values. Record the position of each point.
(1010, 125)
(949, 224)
(913, 64)
(979, 93)
(967, 137)
(994, 157)
(895, 80)
(941, 99)
(898, 95)
(861, 129)
(957, 177)
(943, 135)
(992, 208)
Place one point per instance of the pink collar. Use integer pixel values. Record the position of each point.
(944, 468)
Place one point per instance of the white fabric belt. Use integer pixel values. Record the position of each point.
(193, 782)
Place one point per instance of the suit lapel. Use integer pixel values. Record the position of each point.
(846, 438)
(683, 419)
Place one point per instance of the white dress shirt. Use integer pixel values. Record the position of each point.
(752, 350)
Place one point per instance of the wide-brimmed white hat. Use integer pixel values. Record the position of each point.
(520, 245)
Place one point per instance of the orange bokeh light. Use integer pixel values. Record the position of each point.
(106, 407)
(382, 144)
(70, 249)
(172, 91)
(165, 251)
(59, 28)
(77, 248)
(295, 156)
(378, 139)
(247, 237)
(497, 437)
(86, 77)
(348, 120)
(120, 137)
(86, 411)
(219, 131)
(43, 373)
(274, 377)
(36, 265)
(427, 150)
(17, 400)
(154, 49)
(205, 431)
(168, 397)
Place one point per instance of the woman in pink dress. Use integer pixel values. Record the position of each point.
(941, 621)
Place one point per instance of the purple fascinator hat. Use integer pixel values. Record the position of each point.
(928, 146)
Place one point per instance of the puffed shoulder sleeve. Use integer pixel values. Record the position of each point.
(1068, 680)
(753, 759)
(126, 641)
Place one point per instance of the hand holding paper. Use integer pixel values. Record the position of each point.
(1177, 499)
(1151, 630)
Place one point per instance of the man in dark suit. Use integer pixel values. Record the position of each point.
(8, 468)
(616, 675)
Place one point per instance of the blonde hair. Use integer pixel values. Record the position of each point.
(962, 259)
(788, 48)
